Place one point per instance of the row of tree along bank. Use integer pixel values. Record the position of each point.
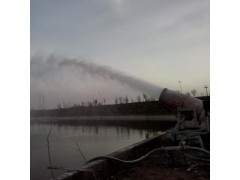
(137, 108)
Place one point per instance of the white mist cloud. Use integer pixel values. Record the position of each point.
(60, 79)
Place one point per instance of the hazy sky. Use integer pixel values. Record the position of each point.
(158, 42)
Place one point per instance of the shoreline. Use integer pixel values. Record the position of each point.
(108, 118)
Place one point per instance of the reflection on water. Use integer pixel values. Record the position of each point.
(93, 141)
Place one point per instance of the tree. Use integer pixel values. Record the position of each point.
(89, 104)
(152, 99)
(194, 92)
(120, 100)
(126, 99)
(95, 102)
(188, 94)
(145, 97)
(66, 105)
(116, 100)
(138, 98)
(59, 106)
(178, 91)
(104, 101)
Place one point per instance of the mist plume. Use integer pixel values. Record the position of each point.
(96, 70)
(65, 79)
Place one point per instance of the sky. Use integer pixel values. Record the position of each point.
(93, 49)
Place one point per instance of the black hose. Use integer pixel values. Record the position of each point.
(170, 148)
(199, 149)
(125, 161)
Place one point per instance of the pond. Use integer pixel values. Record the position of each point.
(64, 141)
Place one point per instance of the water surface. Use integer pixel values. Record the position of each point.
(92, 140)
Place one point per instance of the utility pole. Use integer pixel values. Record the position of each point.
(43, 98)
(206, 89)
(180, 86)
(39, 101)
